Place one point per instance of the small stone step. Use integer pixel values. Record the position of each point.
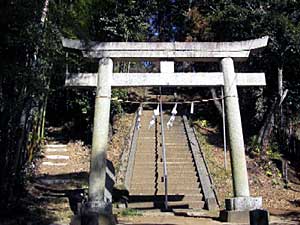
(180, 163)
(170, 167)
(55, 146)
(56, 150)
(54, 181)
(171, 186)
(171, 190)
(53, 164)
(61, 157)
(160, 204)
(171, 178)
(172, 198)
(169, 155)
(179, 204)
(146, 192)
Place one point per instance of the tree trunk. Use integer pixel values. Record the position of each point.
(266, 130)
(280, 93)
(45, 11)
(42, 134)
(216, 102)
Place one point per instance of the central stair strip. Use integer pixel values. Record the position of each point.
(147, 189)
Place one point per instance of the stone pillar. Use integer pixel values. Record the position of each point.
(238, 158)
(97, 211)
(241, 208)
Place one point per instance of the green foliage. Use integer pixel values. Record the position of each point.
(131, 212)
(201, 123)
(118, 94)
(273, 153)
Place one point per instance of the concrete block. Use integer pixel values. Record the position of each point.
(96, 213)
(243, 203)
(252, 217)
(259, 217)
(235, 216)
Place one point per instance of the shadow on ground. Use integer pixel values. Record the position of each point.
(288, 215)
(48, 199)
(28, 210)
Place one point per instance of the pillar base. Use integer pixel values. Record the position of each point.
(243, 203)
(96, 213)
(245, 210)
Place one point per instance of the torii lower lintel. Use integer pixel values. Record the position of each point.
(165, 79)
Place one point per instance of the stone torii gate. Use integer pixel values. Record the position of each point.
(238, 207)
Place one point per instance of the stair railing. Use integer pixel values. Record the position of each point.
(164, 158)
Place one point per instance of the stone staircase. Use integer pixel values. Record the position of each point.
(61, 168)
(147, 184)
(56, 157)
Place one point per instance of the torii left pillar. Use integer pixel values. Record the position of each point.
(97, 211)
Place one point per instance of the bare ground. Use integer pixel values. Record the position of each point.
(264, 179)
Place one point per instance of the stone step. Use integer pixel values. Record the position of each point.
(53, 164)
(159, 166)
(59, 157)
(179, 186)
(160, 159)
(171, 190)
(171, 172)
(173, 167)
(146, 163)
(185, 175)
(147, 138)
(171, 182)
(55, 150)
(161, 186)
(174, 134)
(172, 175)
(178, 155)
(51, 181)
(172, 159)
(150, 145)
(169, 150)
(169, 154)
(54, 146)
(171, 179)
(171, 198)
(151, 192)
(147, 142)
(160, 204)
(176, 144)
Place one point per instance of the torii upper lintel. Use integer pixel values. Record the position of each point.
(179, 51)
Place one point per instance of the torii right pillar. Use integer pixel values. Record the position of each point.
(241, 208)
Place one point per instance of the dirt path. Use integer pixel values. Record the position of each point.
(166, 220)
(159, 219)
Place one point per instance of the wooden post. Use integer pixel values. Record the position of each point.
(238, 158)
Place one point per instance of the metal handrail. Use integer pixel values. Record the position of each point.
(164, 154)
